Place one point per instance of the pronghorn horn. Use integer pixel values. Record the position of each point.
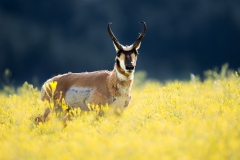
(141, 35)
(115, 41)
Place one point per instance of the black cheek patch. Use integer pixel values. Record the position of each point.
(118, 63)
(119, 53)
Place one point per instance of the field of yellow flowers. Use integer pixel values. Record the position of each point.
(176, 120)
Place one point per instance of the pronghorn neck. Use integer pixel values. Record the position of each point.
(119, 84)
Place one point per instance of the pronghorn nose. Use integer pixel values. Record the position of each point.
(129, 67)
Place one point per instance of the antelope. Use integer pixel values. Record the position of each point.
(99, 87)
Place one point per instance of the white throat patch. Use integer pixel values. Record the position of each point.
(124, 78)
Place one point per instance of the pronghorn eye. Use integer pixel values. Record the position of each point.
(118, 54)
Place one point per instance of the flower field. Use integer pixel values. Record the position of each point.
(194, 119)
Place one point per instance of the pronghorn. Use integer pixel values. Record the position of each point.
(99, 87)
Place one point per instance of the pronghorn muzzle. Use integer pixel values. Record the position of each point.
(129, 65)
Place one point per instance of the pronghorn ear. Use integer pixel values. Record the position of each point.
(137, 43)
(116, 48)
(138, 46)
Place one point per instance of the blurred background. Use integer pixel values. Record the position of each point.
(40, 39)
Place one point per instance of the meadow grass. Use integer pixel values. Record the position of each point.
(176, 120)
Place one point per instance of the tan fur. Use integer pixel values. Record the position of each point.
(88, 79)
(104, 84)
(99, 87)
(122, 57)
(107, 87)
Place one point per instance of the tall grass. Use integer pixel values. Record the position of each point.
(177, 120)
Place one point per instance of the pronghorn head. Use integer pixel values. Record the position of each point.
(127, 55)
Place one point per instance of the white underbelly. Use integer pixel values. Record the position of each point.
(76, 97)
